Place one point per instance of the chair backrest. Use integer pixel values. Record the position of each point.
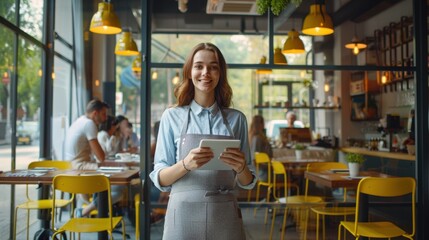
(388, 187)
(263, 158)
(61, 165)
(322, 166)
(279, 169)
(82, 185)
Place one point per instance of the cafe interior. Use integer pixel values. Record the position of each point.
(355, 73)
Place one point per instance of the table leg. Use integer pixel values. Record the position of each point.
(102, 211)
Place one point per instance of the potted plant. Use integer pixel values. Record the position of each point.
(298, 150)
(354, 160)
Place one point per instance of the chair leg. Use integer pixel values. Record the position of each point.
(28, 224)
(317, 226)
(324, 226)
(272, 223)
(257, 199)
(284, 224)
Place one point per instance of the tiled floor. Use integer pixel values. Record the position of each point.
(254, 227)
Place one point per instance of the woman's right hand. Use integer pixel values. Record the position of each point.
(197, 157)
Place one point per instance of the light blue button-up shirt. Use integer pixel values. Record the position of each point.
(201, 121)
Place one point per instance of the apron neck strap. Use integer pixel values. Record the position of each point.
(186, 123)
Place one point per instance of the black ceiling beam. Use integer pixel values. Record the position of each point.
(353, 10)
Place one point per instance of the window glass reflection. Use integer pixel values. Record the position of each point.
(31, 18)
(8, 10)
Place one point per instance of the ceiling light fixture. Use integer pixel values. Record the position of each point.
(176, 79)
(154, 75)
(318, 22)
(279, 58)
(105, 21)
(126, 46)
(293, 44)
(266, 70)
(356, 45)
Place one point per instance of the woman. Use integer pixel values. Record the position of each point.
(108, 136)
(259, 143)
(202, 204)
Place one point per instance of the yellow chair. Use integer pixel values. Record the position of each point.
(79, 185)
(382, 187)
(137, 206)
(33, 204)
(325, 210)
(298, 203)
(262, 159)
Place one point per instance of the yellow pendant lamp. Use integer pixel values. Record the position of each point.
(279, 58)
(137, 64)
(105, 20)
(293, 44)
(318, 22)
(126, 45)
(356, 45)
(266, 70)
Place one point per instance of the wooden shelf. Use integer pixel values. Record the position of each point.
(380, 154)
(296, 107)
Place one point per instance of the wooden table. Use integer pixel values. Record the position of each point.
(339, 180)
(342, 180)
(26, 177)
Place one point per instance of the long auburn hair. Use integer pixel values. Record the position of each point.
(185, 91)
(257, 128)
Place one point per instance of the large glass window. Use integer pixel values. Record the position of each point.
(61, 106)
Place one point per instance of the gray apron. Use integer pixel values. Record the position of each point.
(202, 204)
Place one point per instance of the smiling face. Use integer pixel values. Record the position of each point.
(205, 74)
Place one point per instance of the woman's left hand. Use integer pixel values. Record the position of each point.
(234, 158)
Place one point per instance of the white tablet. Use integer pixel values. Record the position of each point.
(218, 146)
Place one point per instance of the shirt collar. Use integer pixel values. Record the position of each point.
(197, 109)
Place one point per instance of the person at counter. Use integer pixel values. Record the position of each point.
(202, 111)
(291, 120)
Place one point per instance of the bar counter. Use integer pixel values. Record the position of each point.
(381, 154)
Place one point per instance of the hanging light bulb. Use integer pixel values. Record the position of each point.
(105, 20)
(318, 22)
(266, 70)
(326, 87)
(154, 75)
(97, 82)
(176, 79)
(293, 44)
(356, 45)
(40, 73)
(126, 46)
(137, 64)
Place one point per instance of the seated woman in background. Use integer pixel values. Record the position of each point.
(259, 143)
(109, 136)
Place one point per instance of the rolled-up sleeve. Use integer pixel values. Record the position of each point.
(164, 156)
(241, 131)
